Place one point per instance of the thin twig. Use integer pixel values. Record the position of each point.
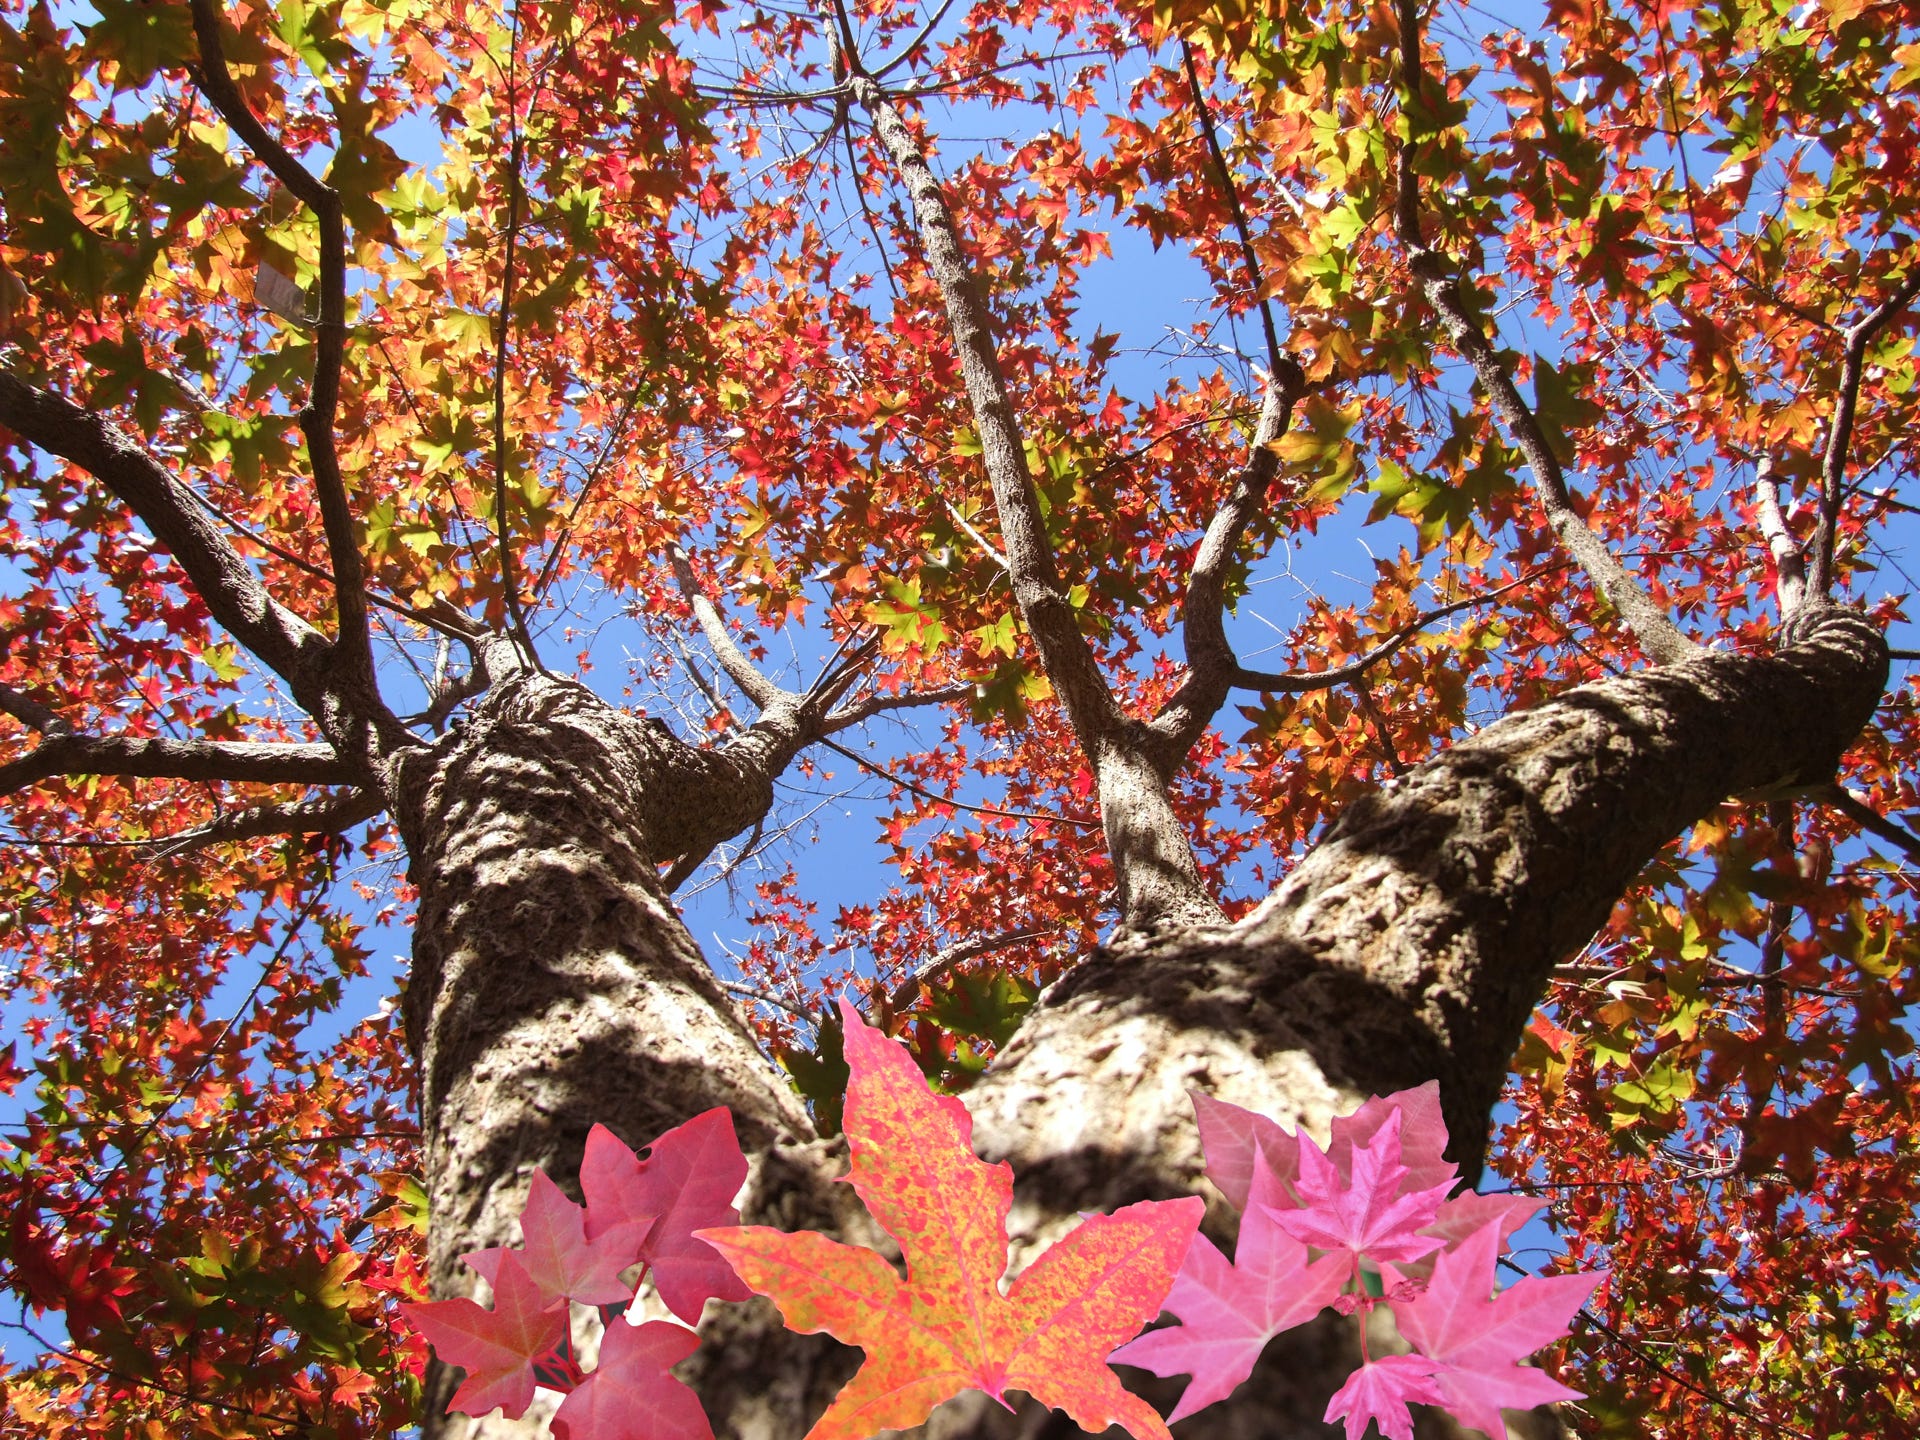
(925, 794)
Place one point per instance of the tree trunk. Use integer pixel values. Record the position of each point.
(554, 987)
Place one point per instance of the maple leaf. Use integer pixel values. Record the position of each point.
(1367, 1212)
(947, 1327)
(1380, 1391)
(631, 1395)
(1230, 1135)
(1477, 1336)
(563, 1262)
(1229, 1312)
(688, 1180)
(496, 1347)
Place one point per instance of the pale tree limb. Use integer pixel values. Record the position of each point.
(1789, 561)
(1833, 463)
(1658, 635)
(317, 416)
(130, 757)
(726, 650)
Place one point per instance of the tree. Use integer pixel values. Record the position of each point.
(683, 323)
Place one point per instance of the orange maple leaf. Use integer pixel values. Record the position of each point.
(948, 1327)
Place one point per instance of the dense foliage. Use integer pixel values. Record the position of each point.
(602, 306)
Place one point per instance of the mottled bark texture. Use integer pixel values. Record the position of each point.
(553, 987)
(1412, 944)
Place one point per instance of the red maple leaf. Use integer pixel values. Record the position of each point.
(688, 1180)
(1368, 1211)
(558, 1255)
(496, 1347)
(947, 1327)
(1230, 1311)
(631, 1395)
(1476, 1336)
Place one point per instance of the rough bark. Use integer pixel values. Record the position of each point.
(1410, 945)
(554, 987)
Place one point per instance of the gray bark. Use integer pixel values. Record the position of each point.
(554, 987)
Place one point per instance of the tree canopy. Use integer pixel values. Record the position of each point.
(361, 359)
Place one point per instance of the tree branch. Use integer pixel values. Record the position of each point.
(1037, 590)
(31, 713)
(741, 670)
(127, 756)
(1857, 809)
(1211, 665)
(873, 705)
(224, 582)
(881, 772)
(944, 960)
(1658, 635)
(323, 396)
(501, 497)
(1277, 363)
(1299, 682)
(1158, 877)
(1789, 563)
(323, 815)
(1833, 464)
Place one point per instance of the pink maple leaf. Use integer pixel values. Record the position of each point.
(686, 1183)
(632, 1395)
(1229, 1135)
(1229, 1312)
(1468, 1213)
(1476, 1336)
(496, 1347)
(1368, 1212)
(558, 1255)
(1380, 1391)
